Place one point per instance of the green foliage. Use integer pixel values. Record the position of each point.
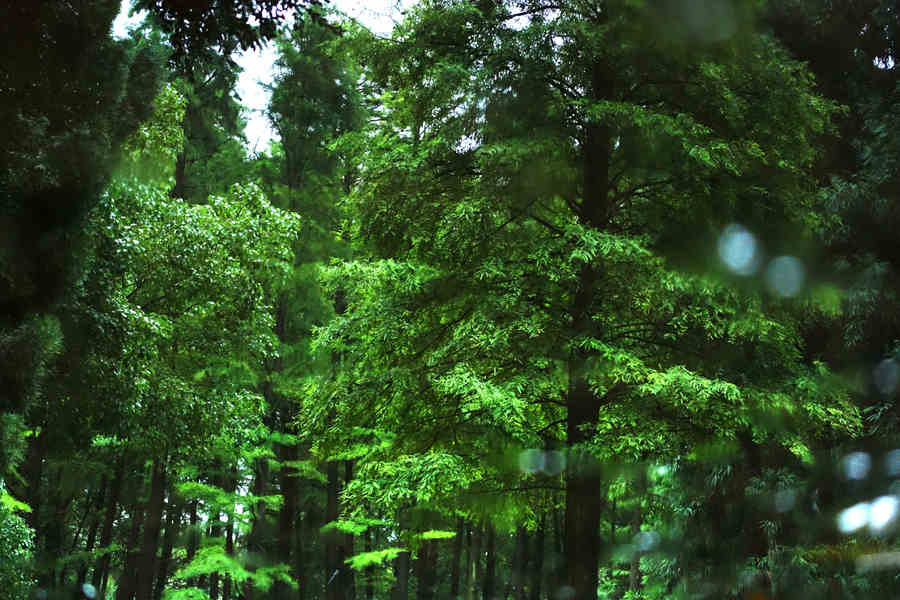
(213, 559)
(16, 543)
(364, 560)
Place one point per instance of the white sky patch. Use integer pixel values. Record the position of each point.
(379, 16)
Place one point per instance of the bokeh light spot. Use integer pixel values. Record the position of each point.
(785, 500)
(554, 462)
(892, 463)
(785, 276)
(853, 518)
(739, 250)
(883, 512)
(856, 465)
(645, 541)
(531, 461)
(886, 376)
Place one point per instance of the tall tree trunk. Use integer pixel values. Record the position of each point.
(401, 575)
(583, 502)
(230, 487)
(469, 572)
(255, 547)
(193, 539)
(34, 472)
(127, 583)
(287, 516)
(490, 567)
(95, 508)
(457, 555)
(332, 550)
(426, 570)
(477, 579)
(152, 526)
(173, 522)
(349, 584)
(516, 588)
(370, 571)
(98, 579)
(537, 572)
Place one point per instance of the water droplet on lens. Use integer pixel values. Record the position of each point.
(856, 465)
(892, 463)
(645, 540)
(785, 276)
(739, 250)
(883, 512)
(554, 462)
(531, 461)
(89, 591)
(785, 500)
(853, 518)
(886, 376)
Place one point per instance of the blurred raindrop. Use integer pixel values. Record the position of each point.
(883, 512)
(40, 594)
(554, 462)
(645, 540)
(531, 461)
(853, 518)
(662, 470)
(566, 592)
(785, 500)
(892, 463)
(785, 276)
(89, 591)
(856, 465)
(739, 250)
(887, 376)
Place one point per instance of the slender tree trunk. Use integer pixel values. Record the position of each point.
(469, 573)
(537, 572)
(332, 551)
(231, 486)
(101, 568)
(426, 570)
(349, 582)
(254, 538)
(193, 539)
(401, 574)
(287, 517)
(34, 472)
(370, 571)
(96, 508)
(457, 555)
(173, 522)
(490, 568)
(152, 526)
(516, 588)
(477, 570)
(127, 583)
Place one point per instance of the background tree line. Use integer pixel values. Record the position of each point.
(531, 300)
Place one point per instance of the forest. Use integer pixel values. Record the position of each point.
(527, 300)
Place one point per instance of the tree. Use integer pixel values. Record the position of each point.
(523, 196)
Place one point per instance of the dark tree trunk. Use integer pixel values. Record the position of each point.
(34, 472)
(370, 571)
(401, 574)
(127, 583)
(287, 516)
(477, 571)
(173, 522)
(193, 539)
(457, 556)
(152, 526)
(115, 491)
(229, 535)
(537, 571)
(332, 540)
(490, 567)
(519, 561)
(426, 570)
(96, 508)
(349, 583)
(255, 546)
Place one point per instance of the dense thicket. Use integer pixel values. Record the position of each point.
(594, 299)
